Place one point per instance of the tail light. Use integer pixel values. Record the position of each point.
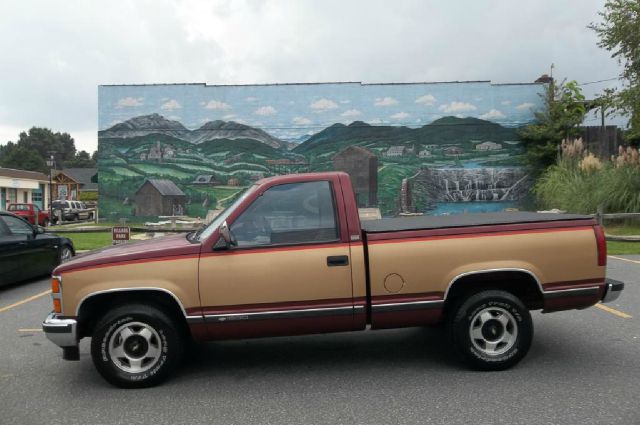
(56, 293)
(601, 243)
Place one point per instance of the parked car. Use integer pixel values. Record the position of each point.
(30, 212)
(71, 211)
(27, 252)
(290, 256)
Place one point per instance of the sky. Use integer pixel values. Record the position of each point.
(55, 53)
(293, 112)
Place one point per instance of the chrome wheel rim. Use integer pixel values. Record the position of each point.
(135, 347)
(493, 331)
(65, 255)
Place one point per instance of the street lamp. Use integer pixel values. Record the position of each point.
(51, 163)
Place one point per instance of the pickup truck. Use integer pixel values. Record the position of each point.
(30, 212)
(290, 256)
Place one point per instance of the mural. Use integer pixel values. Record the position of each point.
(436, 148)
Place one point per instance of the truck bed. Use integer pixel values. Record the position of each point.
(463, 220)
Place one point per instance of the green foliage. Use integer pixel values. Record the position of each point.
(619, 33)
(566, 187)
(563, 112)
(22, 158)
(81, 160)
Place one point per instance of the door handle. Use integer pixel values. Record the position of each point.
(337, 260)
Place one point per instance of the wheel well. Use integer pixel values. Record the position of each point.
(519, 283)
(96, 306)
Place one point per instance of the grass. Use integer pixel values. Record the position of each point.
(622, 248)
(89, 241)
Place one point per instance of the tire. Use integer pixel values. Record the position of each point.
(491, 330)
(136, 346)
(65, 254)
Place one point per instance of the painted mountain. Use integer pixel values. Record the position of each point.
(157, 124)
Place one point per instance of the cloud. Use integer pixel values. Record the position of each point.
(505, 102)
(493, 114)
(323, 105)
(351, 113)
(426, 100)
(301, 121)
(525, 106)
(376, 121)
(399, 116)
(229, 116)
(251, 99)
(265, 111)
(385, 101)
(170, 105)
(216, 104)
(127, 102)
(453, 107)
(345, 101)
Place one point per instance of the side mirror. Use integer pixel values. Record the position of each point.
(226, 238)
(38, 230)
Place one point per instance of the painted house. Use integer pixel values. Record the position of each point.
(453, 150)
(424, 154)
(395, 151)
(21, 186)
(158, 197)
(488, 146)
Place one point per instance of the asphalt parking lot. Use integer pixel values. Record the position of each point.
(583, 368)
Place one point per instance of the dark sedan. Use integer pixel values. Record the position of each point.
(26, 251)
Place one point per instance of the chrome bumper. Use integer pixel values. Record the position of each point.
(612, 291)
(62, 332)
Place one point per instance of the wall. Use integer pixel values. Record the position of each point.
(244, 133)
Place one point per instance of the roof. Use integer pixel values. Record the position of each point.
(356, 149)
(23, 174)
(164, 187)
(83, 176)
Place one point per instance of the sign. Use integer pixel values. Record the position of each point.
(120, 234)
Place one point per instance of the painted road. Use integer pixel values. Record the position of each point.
(583, 368)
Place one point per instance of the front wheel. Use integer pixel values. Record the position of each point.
(136, 346)
(65, 254)
(491, 330)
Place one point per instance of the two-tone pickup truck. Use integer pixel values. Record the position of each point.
(290, 256)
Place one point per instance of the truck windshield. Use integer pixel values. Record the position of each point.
(205, 232)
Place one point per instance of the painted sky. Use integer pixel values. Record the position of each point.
(292, 111)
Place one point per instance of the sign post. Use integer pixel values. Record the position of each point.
(120, 234)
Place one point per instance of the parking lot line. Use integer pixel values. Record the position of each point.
(624, 259)
(614, 311)
(30, 330)
(26, 300)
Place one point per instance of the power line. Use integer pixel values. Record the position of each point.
(600, 81)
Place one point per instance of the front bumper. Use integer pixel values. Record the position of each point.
(63, 333)
(613, 289)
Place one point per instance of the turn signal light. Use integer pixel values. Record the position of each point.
(55, 285)
(57, 306)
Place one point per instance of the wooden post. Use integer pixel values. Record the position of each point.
(599, 217)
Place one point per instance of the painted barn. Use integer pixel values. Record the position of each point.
(159, 197)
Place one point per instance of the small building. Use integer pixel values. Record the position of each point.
(86, 177)
(453, 150)
(64, 186)
(362, 166)
(488, 146)
(395, 151)
(159, 197)
(424, 154)
(233, 182)
(21, 186)
(205, 180)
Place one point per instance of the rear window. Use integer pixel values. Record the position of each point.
(19, 207)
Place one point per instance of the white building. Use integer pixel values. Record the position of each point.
(20, 186)
(395, 151)
(424, 154)
(488, 146)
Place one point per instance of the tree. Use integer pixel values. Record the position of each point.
(564, 110)
(81, 160)
(45, 142)
(22, 158)
(619, 33)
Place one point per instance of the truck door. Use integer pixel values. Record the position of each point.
(290, 272)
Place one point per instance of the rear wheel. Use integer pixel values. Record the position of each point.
(136, 346)
(491, 330)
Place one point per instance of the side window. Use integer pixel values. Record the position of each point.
(288, 214)
(17, 226)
